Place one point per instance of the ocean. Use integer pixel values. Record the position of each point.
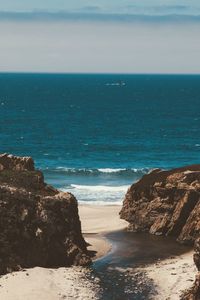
(94, 135)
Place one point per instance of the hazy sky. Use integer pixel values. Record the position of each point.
(111, 6)
(127, 36)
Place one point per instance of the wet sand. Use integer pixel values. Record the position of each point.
(136, 266)
(142, 266)
(96, 221)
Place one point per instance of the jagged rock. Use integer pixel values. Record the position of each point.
(165, 203)
(168, 203)
(16, 163)
(39, 225)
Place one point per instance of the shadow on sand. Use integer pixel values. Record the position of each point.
(119, 279)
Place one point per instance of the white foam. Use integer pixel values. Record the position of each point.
(74, 170)
(99, 171)
(108, 170)
(100, 202)
(98, 194)
(99, 188)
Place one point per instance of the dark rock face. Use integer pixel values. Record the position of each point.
(165, 203)
(168, 203)
(194, 292)
(39, 225)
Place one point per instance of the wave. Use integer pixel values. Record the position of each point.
(108, 170)
(99, 188)
(101, 171)
(98, 194)
(106, 186)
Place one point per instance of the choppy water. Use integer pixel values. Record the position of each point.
(94, 135)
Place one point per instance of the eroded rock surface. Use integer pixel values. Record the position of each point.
(39, 226)
(165, 203)
(11, 162)
(168, 203)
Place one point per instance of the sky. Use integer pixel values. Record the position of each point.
(105, 6)
(99, 36)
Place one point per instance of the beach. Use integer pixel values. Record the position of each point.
(66, 283)
(170, 276)
(98, 220)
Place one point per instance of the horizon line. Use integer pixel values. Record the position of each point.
(95, 73)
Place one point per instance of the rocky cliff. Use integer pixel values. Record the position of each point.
(165, 203)
(39, 225)
(168, 203)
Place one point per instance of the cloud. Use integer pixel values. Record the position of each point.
(179, 9)
(161, 10)
(100, 17)
(160, 7)
(174, 7)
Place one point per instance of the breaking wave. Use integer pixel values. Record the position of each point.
(101, 171)
(98, 194)
(96, 186)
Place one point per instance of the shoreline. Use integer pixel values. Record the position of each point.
(171, 276)
(81, 283)
(100, 219)
(96, 222)
(73, 282)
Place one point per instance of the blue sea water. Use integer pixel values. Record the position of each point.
(94, 135)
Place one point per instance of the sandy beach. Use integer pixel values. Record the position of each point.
(96, 221)
(170, 276)
(48, 284)
(66, 283)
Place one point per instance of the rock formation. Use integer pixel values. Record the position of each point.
(194, 292)
(168, 203)
(39, 226)
(165, 203)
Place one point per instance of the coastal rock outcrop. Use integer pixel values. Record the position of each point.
(39, 225)
(165, 203)
(168, 203)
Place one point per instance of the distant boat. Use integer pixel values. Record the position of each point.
(119, 83)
